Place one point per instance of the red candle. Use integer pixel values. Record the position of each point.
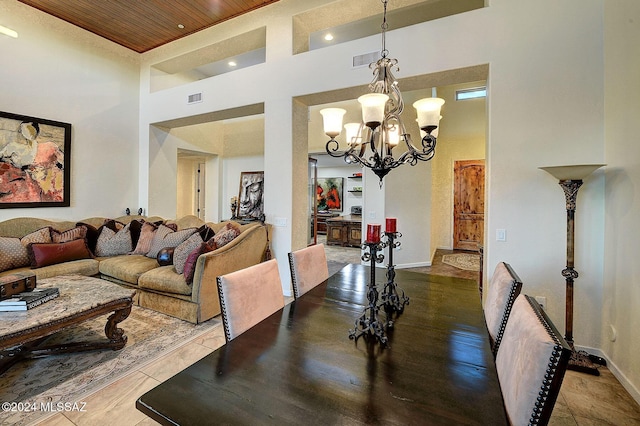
(391, 224)
(373, 233)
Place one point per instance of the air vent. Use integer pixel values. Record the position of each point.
(195, 98)
(365, 59)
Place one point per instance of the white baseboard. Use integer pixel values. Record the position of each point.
(400, 266)
(624, 381)
(413, 265)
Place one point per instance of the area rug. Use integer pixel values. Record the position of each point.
(466, 261)
(70, 377)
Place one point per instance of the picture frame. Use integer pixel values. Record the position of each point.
(35, 162)
(251, 196)
(330, 194)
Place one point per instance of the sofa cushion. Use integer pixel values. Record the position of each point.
(167, 237)
(112, 243)
(181, 252)
(164, 279)
(127, 268)
(77, 233)
(86, 267)
(44, 254)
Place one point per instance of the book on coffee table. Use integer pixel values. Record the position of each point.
(28, 300)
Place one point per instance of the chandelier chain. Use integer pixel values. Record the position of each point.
(384, 27)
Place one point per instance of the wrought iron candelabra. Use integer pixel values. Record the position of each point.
(369, 324)
(392, 300)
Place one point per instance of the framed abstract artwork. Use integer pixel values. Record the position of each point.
(251, 196)
(35, 160)
(329, 194)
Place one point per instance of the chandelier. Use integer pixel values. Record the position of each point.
(370, 143)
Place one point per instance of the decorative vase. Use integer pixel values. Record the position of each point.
(165, 256)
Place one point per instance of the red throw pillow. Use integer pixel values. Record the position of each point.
(44, 254)
(192, 259)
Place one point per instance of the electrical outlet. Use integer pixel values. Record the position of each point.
(501, 235)
(280, 221)
(542, 301)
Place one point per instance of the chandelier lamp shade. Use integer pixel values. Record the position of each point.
(371, 142)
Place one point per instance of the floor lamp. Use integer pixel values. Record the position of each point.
(570, 179)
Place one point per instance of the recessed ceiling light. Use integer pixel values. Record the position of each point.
(181, 26)
(328, 37)
(232, 64)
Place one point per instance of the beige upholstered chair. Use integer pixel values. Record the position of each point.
(504, 287)
(248, 296)
(308, 268)
(531, 363)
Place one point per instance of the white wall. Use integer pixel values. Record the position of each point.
(59, 72)
(620, 313)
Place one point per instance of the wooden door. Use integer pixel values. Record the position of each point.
(468, 204)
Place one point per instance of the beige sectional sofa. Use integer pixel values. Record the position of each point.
(159, 288)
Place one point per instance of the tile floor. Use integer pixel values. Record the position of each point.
(584, 399)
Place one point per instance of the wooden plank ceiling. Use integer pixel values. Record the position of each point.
(142, 25)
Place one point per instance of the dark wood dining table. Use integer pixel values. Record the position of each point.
(299, 366)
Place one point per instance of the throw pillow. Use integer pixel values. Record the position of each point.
(14, 250)
(147, 232)
(114, 225)
(14, 254)
(166, 237)
(111, 243)
(226, 235)
(135, 227)
(42, 235)
(44, 254)
(77, 233)
(192, 259)
(92, 235)
(181, 252)
(206, 232)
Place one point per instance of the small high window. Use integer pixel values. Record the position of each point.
(476, 92)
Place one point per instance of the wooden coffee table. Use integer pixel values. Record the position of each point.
(24, 334)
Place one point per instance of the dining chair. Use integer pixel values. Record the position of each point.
(504, 287)
(248, 296)
(531, 363)
(308, 268)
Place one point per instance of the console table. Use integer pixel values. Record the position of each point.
(345, 231)
(321, 219)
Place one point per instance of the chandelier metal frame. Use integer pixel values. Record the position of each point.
(372, 145)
